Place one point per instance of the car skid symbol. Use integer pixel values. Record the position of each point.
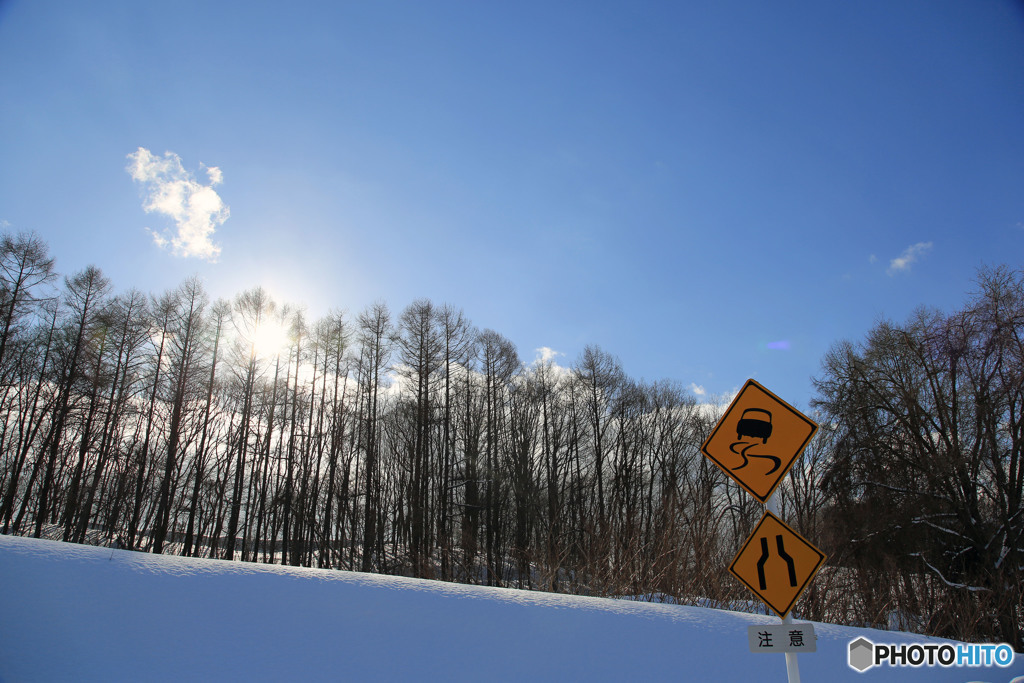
(745, 453)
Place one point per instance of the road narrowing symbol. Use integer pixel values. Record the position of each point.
(757, 439)
(776, 563)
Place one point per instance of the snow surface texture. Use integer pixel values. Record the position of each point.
(82, 613)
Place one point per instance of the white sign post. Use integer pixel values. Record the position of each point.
(792, 666)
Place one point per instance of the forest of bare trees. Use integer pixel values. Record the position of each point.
(410, 442)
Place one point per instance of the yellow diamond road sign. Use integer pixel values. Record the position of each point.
(776, 563)
(758, 438)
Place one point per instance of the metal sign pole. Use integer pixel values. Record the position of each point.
(792, 666)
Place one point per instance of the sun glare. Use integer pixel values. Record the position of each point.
(269, 339)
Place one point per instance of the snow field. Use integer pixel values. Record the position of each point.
(83, 613)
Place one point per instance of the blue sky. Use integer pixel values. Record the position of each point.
(709, 191)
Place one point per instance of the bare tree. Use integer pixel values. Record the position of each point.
(927, 468)
(252, 309)
(25, 266)
(457, 338)
(219, 315)
(127, 317)
(499, 360)
(375, 334)
(600, 377)
(333, 337)
(30, 419)
(420, 352)
(84, 294)
(188, 304)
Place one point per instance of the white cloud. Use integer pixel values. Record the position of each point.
(697, 389)
(196, 209)
(215, 175)
(546, 354)
(908, 257)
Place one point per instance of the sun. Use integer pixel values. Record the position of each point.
(269, 339)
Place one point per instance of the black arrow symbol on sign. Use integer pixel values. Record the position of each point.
(761, 580)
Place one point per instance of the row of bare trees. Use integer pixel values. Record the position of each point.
(417, 444)
(411, 444)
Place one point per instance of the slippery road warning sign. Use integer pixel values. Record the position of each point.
(758, 438)
(776, 563)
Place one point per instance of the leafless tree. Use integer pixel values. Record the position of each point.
(927, 468)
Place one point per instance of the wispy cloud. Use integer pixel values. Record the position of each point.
(902, 263)
(196, 209)
(698, 389)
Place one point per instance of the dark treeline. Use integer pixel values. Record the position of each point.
(926, 476)
(412, 443)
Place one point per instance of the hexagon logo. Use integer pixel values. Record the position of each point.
(862, 654)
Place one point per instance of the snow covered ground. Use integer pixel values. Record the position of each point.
(82, 613)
